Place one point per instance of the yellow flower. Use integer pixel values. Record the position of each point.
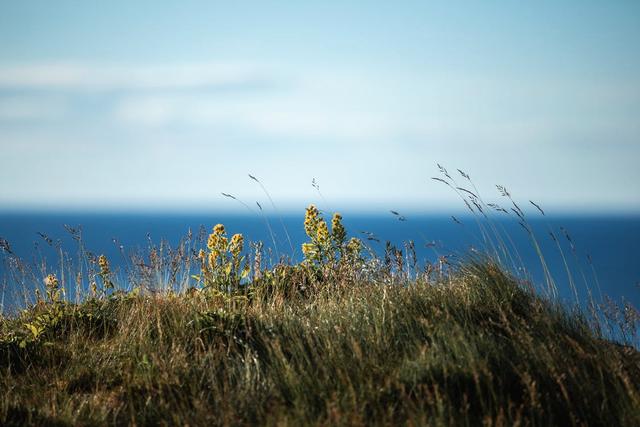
(213, 258)
(323, 232)
(311, 221)
(338, 231)
(212, 242)
(236, 245)
(308, 249)
(354, 246)
(103, 263)
(51, 281)
(217, 239)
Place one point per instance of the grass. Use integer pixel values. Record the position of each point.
(474, 349)
(342, 338)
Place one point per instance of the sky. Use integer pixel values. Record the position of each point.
(165, 105)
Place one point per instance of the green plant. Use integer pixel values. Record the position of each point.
(460, 343)
(224, 267)
(328, 248)
(49, 314)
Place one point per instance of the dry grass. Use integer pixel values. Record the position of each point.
(475, 348)
(340, 339)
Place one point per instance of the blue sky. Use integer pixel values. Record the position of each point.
(163, 105)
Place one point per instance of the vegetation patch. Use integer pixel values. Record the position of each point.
(341, 338)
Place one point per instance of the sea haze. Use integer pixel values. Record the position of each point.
(610, 242)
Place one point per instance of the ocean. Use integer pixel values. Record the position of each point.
(601, 252)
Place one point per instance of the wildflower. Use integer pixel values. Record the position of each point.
(222, 263)
(338, 232)
(105, 271)
(308, 249)
(51, 282)
(217, 239)
(224, 242)
(354, 246)
(311, 221)
(213, 258)
(212, 242)
(103, 263)
(323, 232)
(236, 245)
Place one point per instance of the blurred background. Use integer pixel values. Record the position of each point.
(140, 105)
(154, 109)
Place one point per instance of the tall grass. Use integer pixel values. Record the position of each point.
(473, 348)
(218, 336)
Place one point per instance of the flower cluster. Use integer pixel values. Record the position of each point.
(327, 247)
(224, 264)
(311, 220)
(105, 272)
(52, 288)
(103, 263)
(51, 282)
(224, 267)
(217, 245)
(236, 245)
(354, 247)
(338, 232)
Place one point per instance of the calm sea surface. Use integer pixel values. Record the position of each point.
(611, 242)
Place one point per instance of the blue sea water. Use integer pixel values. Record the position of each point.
(601, 251)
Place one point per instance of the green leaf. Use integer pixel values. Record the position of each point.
(34, 329)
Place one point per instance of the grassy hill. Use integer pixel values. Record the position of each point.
(339, 339)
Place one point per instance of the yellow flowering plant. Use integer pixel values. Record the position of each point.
(52, 288)
(327, 247)
(105, 273)
(223, 266)
(49, 313)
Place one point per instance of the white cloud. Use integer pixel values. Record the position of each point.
(389, 130)
(94, 77)
(276, 117)
(20, 108)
